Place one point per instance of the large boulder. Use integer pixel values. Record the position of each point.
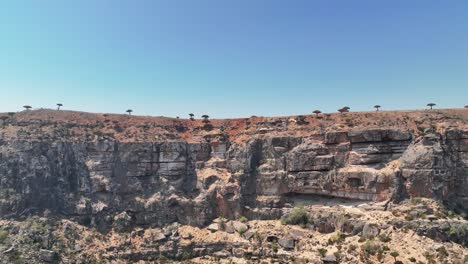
(122, 222)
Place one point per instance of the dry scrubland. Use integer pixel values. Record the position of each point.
(90, 126)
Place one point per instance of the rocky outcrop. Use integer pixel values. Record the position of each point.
(105, 183)
(436, 166)
(151, 183)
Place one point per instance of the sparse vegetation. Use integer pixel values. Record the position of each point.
(98, 133)
(351, 248)
(274, 247)
(442, 252)
(242, 231)
(431, 105)
(301, 120)
(456, 230)
(258, 237)
(17, 259)
(370, 247)
(297, 216)
(450, 214)
(322, 251)
(3, 235)
(416, 200)
(429, 257)
(336, 238)
(394, 254)
(384, 238)
(243, 219)
(222, 223)
(4, 119)
(186, 255)
(342, 110)
(377, 107)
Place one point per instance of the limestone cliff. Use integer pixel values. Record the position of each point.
(155, 171)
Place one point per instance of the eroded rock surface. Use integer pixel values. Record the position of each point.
(194, 181)
(124, 173)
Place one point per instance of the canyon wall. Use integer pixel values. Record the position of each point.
(107, 183)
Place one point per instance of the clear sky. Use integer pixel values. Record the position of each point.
(233, 58)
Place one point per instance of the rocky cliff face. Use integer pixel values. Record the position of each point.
(107, 182)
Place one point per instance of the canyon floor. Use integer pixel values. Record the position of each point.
(415, 231)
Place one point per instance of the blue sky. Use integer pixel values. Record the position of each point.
(233, 58)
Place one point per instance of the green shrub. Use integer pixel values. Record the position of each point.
(412, 259)
(384, 238)
(98, 133)
(394, 254)
(17, 259)
(274, 247)
(258, 237)
(186, 256)
(297, 216)
(451, 214)
(243, 219)
(370, 247)
(3, 235)
(338, 237)
(322, 251)
(452, 231)
(242, 231)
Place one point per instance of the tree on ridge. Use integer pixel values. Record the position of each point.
(343, 110)
(431, 105)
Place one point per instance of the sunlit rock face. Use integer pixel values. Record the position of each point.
(437, 166)
(151, 183)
